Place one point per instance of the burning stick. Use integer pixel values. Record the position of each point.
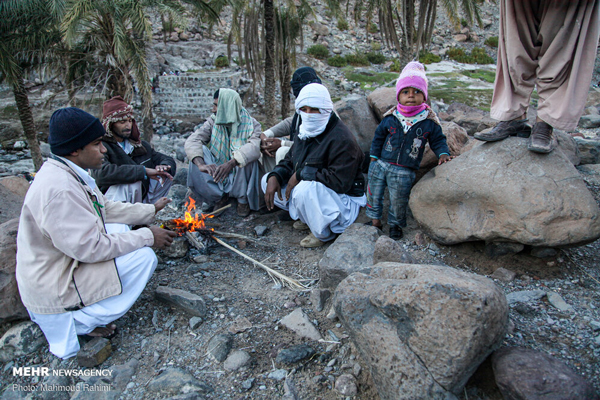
(276, 276)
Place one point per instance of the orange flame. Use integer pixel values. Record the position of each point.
(189, 223)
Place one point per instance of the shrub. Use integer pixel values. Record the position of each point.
(318, 51)
(464, 22)
(456, 54)
(375, 46)
(337, 61)
(373, 28)
(342, 25)
(375, 58)
(428, 58)
(479, 56)
(492, 41)
(396, 67)
(221, 62)
(357, 60)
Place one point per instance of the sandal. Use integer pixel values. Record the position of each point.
(86, 337)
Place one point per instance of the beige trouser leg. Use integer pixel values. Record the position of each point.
(550, 44)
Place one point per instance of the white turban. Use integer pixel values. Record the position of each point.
(313, 95)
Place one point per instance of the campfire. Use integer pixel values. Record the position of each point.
(189, 223)
(198, 234)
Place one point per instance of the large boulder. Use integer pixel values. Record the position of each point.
(456, 137)
(352, 251)
(422, 329)
(523, 373)
(21, 339)
(382, 100)
(358, 117)
(11, 307)
(471, 119)
(503, 192)
(589, 150)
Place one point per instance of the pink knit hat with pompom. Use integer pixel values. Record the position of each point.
(413, 75)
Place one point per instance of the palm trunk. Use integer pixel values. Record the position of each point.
(269, 63)
(284, 83)
(26, 117)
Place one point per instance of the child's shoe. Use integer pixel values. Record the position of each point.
(396, 232)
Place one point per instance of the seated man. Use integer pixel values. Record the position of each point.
(321, 174)
(223, 155)
(272, 145)
(132, 171)
(74, 275)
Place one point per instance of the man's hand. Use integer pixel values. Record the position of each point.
(157, 174)
(269, 146)
(223, 170)
(162, 237)
(444, 158)
(207, 169)
(161, 203)
(291, 184)
(273, 187)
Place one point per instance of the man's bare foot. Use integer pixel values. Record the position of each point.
(104, 331)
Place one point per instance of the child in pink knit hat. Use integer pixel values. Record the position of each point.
(398, 146)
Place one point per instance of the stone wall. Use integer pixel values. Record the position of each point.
(190, 95)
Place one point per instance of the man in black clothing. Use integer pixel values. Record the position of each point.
(132, 171)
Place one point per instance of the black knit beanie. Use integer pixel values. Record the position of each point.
(302, 77)
(72, 129)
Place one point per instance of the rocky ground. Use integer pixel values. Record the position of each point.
(162, 351)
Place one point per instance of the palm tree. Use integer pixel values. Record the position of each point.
(109, 40)
(397, 20)
(28, 30)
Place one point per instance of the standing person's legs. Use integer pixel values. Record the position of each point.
(400, 181)
(516, 69)
(376, 191)
(570, 32)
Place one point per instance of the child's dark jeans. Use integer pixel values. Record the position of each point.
(399, 182)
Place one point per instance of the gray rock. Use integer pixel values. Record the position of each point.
(456, 138)
(501, 191)
(409, 323)
(524, 296)
(589, 121)
(497, 249)
(94, 352)
(20, 340)
(595, 325)
(299, 323)
(180, 177)
(543, 252)
(178, 248)
(55, 381)
(318, 298)
(352, 251)
(178, 193)
(173, 380)
(387, 249)
(122, 374)
(45, 149)
(260, 230)
(11, 307)
(278, 374)
(346, 385)
(354, 110)
(523, 373)
(470, 118)
(504, 275)
(195, 322)
(382, 100)
(557, 301)
(219, 346)
(236, 360)
(180, 155)
(187, 301)
(294, 354)
(247, 384)
(589, 150)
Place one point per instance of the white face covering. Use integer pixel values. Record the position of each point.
(312, 124)
(313, 95)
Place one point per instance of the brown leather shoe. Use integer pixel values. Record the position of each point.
(505, 129)
(243, 210)
(220, 204)
(542, 139)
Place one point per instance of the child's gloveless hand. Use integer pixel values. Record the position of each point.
(444, 158)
